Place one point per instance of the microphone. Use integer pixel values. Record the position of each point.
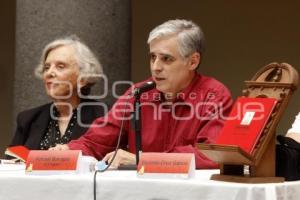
(136, 120)
(144, 88)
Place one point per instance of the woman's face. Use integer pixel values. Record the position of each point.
(61, 72)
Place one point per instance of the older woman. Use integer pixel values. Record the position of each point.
(68, 69)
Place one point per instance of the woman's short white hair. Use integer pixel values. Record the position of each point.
(89, 66)
(190, 36)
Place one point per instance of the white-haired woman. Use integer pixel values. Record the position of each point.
(68, 68)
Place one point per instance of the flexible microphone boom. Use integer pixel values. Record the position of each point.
(144, 88)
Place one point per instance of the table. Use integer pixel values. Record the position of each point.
(15, 184)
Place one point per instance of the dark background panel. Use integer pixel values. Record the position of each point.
(7, 49)
(241, 37)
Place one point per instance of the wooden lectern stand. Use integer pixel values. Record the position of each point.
(277, 81)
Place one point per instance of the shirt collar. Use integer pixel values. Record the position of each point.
(56, 112)
(183, 96)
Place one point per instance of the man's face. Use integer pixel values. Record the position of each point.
(61, 72)
(170, 71)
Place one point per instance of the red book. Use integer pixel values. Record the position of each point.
(246, 122)
(19, 152)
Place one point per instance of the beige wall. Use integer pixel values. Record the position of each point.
(242, 36)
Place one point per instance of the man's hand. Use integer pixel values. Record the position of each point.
(59, 147)
(122, 158)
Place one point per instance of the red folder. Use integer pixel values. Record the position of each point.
(19, 152)
(246, 122)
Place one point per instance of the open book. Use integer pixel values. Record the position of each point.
(18, 152)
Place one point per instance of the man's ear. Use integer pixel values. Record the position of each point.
(194, 60)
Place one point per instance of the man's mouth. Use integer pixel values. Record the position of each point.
(159, 79)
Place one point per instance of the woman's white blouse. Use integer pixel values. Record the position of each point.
(296, 125)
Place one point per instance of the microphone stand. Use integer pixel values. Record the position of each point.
(137, 117)
(137, 127)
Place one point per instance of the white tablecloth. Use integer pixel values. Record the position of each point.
(15, 185)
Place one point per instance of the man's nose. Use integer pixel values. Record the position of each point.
(156, 65)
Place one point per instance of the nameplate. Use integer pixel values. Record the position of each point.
(53, 162)
(169, 165)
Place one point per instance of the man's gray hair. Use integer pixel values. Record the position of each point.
(190, 36)
(89, 66)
